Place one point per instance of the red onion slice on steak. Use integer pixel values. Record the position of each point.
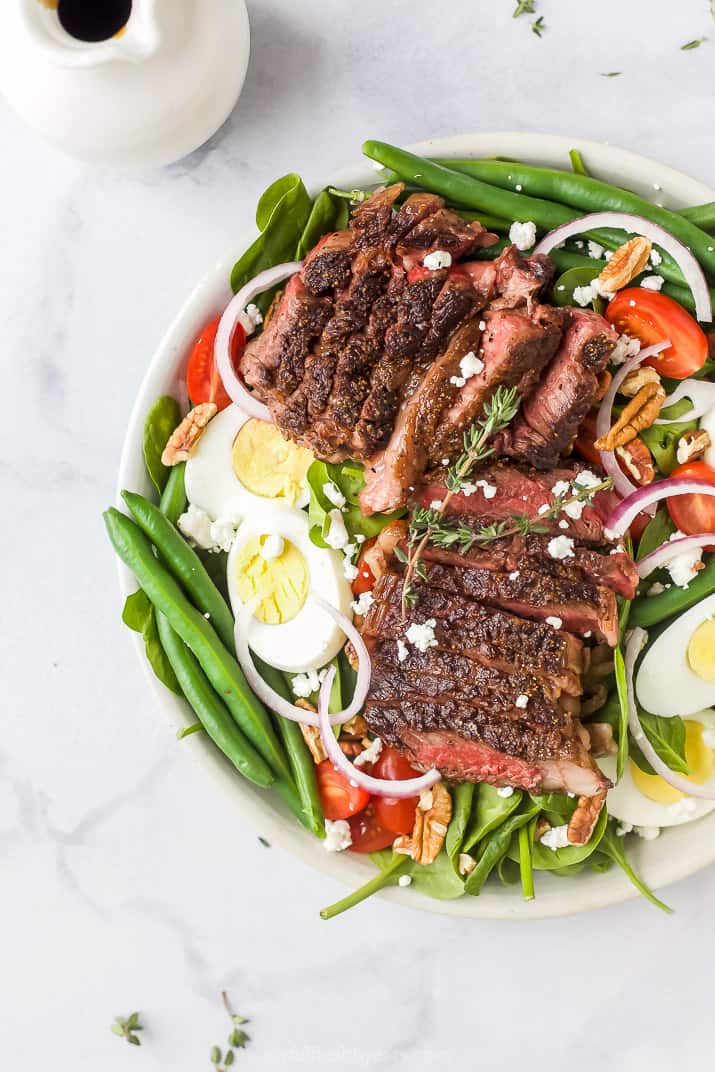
(609, 461)
(692, 272)
(235, 387)
(620, 520)
(275, 701)
(672, 548)
(379, 787)
(634, 647)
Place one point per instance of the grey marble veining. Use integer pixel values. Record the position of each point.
(126, 881)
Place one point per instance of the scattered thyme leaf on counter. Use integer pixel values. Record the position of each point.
(524, 7)
(611, 74)
(693, 44)
(266, 844)
(237, 1040)
(127, 1028)
(538, 26)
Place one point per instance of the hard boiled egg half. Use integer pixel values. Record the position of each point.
(240, 463)
(274, 561)
(677, 673)
(646, 800)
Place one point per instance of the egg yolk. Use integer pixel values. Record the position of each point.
(267, 464)
(699, 757)
(701, 651)
(281, 583)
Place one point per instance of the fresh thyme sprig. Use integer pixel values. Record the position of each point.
(538, 26)
(499, 411)
(127, 1028)
(524, 7)
(237, 1040)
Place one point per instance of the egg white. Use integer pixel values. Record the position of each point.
(209, 478)
(626, 802)
(665, 684)
(311, 638)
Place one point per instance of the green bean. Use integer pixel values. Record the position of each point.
(299, 756)
(587, 195)
(650, 610)
(577, 164)
(702, 216)
(184, 563)
(173, 497)
(209, 709)
(220, 667)
(388, 877)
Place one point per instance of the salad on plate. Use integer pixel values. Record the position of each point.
(431, 551)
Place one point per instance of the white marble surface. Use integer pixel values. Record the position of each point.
(126, 881)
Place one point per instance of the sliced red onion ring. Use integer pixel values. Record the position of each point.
(701, 394)
(622, 517)
(380, 787)
(634, 647)
(671, 548)
(609, 461)
(275, 701)
(692, 272)
(235, 387)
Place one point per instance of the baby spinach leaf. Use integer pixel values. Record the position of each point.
(488, 812)
(658, 530)
(462, 797)
(662, 439)
(622, 691)
(614, 848)
(328, 214)
(161, 420)
(546, 859)
(438, 879)
(508, 872)
(496, 845)
(667, 735)
(349, 478)
(572, 278)
(139, 615)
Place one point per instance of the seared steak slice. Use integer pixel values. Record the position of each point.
(551, 415)
(520, 490)
(440, 229)
(328, 265)
(482, 633)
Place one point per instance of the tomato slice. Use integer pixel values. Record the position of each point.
(585, 439)
(339, 798)
(651, 317)
(693, 513)
(367, 833)
(365, 580)
(203, 382)
(397, 815)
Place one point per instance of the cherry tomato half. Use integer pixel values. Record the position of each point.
(203, 382)
(365, 580)
(693, 513)
(367, 833)
(340, 800)
(394, 814)
(652, 317)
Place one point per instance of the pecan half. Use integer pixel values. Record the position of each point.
(585, 818)
(466, 863)
(604, 382)
(432, 817)
(625, 264)
(640, 413)
(185, 437)
(595, 701)
(355, 727)
(603, 743)
(638, 461)
(311, 734)
(637, 378)
(692, 445)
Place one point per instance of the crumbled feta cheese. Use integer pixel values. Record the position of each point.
(482, 325)
(337, 535)
(467, 488)
(349, 549)
(655, 258)
(554, 621)
(441, 258)
(457, 381)
(337, 835)
(648, 833)
(587, 634)
(207, 615)
(563, 524)
(488, 490)
(422, 636)
(304, 685)
(445, 461)
(583, 296)
(362, 605)
(556, 837)
(196, 526)
(404, 880)
(543, 509)
(522, 701)
(402, 651)
(523, 235)
(574, 510)
(708, 738)
(561, 487)
(652, 282)
(560, 547)
(625, 347)
(684, 807)
(506, 791)
(333, 493)
(471, 365)
(587, 479)
(513, 575)
(250, 318)
(595, 250)
(579, 243)
(436, 504)
(360, 538)
(684, 567)
(273, 547)
(656, 589)
(624, 828)
(223, 533)
(371, 754)
(518, 187)
(350, 571)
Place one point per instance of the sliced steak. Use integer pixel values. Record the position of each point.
(551, 415)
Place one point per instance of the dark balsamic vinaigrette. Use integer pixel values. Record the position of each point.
(93, 20)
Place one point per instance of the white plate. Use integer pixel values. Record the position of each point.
(678, 852)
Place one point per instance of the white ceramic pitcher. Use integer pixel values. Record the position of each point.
(147, 95)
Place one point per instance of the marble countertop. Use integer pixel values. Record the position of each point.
(126, 880)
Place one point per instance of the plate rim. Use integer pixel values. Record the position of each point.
(164, 375)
